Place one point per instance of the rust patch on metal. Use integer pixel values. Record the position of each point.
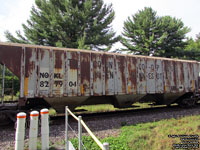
(174, 74)
(85, 73)
(58, 59)
(74, 60)
(11, 57)
(134, 74)
(109, 74)
(29, 62)
(97, 80)
(42, 52)
(191, 76)
(132, 80)
(121, 66)
(181, 73)
(167, 75)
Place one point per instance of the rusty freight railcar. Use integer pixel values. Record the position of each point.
(57, 77)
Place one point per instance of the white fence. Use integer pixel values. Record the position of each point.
(33, 131)
(104, 146)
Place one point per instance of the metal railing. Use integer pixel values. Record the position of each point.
(104, 146)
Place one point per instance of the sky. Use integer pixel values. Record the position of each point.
(15, 12)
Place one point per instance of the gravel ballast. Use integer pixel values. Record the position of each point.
(101, 126)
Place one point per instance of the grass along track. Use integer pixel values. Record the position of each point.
(151, 136)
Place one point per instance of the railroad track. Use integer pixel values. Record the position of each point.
(135, 116)
(142, 115)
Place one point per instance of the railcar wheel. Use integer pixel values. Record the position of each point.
(187, 102)
(4, 119)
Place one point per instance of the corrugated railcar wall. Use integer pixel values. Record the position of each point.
(180, 76)
(97, 86)
(85, 74)
(57, 73)
(73, 74)
(132, 76)
(196, 75)
(109, 74)
(121, 75)
(191, 77)
(150, 75)
(141, 75)
(31, 66)
(186, 76)
(159, 77)
(167, 76)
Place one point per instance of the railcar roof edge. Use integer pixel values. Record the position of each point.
(91, 51)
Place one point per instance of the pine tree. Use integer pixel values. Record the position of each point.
(69, 23)
(148, 34)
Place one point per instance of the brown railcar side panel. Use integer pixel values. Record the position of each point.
(109, 74)
(186, 76)
(180, 77)
(97, 74)
(73, 73)
(173, 77)
(167, 76)
(58, 64)
(141, 75)
(159, 78)
(121, 74)
(30, 72)
(85, 74)
(58, 73)
(196, 75)
(132, 80)
(11, 57)
(191, 77)
(47, 72)
(29, 62)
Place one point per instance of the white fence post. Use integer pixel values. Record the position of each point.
(80, 132)
(66, 129)
(106, 146)
(45, 128)
(33, 130)
(20, 131)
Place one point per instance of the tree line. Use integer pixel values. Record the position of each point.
(86, 24)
